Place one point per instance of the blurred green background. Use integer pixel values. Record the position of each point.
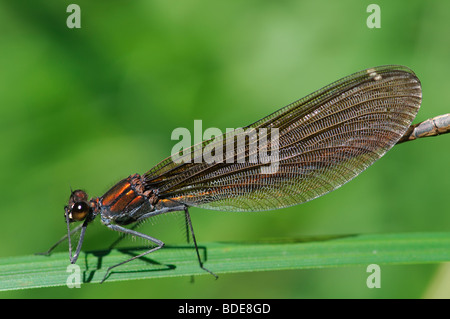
(83, 108)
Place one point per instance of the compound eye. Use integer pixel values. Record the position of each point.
(79, 211)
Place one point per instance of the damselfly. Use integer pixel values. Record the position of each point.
(324, 140)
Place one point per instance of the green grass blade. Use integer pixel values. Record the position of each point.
(410, 248)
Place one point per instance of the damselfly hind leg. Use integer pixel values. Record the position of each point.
(189, 223)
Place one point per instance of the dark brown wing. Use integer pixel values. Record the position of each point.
(325, 140)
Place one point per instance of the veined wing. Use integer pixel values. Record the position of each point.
(324, 140)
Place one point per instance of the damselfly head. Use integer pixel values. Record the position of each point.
(78, 207)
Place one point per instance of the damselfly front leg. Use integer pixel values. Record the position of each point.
(48, 252)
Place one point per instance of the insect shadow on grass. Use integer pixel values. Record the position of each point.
(293, 240)
(90, 270)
